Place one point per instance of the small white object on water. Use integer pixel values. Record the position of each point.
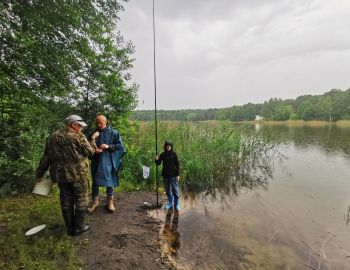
(35, 229)
(145, 170)
(146, 203)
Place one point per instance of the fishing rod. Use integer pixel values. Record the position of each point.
(155, 101)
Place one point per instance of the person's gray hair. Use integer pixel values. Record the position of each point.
(75, 119)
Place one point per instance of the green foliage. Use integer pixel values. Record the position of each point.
(139, 142)
(331, 106)
(209, 154)
(306, 110)
(57, 58)
(284, 112)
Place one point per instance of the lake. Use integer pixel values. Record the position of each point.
(298, 219)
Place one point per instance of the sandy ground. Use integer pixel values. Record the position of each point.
(126, 239)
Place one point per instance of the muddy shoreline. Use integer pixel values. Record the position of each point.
(126, 239)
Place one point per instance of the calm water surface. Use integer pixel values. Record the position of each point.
(300, 220)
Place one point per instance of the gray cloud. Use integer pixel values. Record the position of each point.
(221, 53)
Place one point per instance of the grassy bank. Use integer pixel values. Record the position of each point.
(343, 122)
(49, 249)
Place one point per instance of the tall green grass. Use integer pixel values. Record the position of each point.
(211, 155)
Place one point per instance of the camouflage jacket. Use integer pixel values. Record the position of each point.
(66, 153)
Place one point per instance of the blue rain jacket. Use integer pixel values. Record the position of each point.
(105, 165)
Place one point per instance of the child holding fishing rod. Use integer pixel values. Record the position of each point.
(171, 174)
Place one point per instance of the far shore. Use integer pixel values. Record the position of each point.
(287, 122)
(300, 122)
(265, 122)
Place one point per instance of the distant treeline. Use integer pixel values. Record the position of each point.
(331, 106)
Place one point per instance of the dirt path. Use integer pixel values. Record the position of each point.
(126, 239)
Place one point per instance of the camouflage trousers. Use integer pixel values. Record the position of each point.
(73, 194)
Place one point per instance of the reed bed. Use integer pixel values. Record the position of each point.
(211, 156)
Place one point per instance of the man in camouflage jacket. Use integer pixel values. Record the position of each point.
(66, 154)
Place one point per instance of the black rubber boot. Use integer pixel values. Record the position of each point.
(79, 226)
(68, 220)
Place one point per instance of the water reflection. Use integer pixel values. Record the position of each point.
(207, 247)
(347, 216)
(298, 221)
(171, 235)
(328, 137)
(252, 171)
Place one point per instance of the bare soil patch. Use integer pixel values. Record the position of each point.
(126, 239)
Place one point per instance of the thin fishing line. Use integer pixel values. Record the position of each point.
(155, 99)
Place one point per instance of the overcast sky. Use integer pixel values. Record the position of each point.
(214, 54)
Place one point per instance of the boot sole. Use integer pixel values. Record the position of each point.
(109, 210)
(77, 233)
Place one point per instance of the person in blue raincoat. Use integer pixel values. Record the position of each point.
(105, 163)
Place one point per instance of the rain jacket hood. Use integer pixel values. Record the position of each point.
(170, 143)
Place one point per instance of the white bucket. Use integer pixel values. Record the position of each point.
(43, 187)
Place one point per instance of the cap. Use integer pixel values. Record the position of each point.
(76, 119)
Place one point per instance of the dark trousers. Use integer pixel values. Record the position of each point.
(73, 195)
(73, 205)
(96, 190)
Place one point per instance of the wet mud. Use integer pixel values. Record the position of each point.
(126, 239)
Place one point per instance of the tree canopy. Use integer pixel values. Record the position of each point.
(57, 58)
